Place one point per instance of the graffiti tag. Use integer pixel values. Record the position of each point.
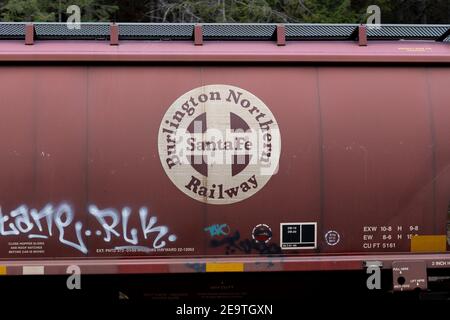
(233, 244)
(217, 230)
(56, 220)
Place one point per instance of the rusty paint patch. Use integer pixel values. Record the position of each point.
(432, 243)
(225, 267)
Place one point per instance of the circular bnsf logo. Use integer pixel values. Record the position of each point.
(219, 144)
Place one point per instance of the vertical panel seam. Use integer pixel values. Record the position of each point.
(433, 144)
(34, 138)
(321, 157)
(86, 204)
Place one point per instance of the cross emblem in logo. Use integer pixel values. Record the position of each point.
(232, 153)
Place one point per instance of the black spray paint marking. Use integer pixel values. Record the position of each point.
(233, 244)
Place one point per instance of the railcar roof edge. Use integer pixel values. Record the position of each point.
(134, 42)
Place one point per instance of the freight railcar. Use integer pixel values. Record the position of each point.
(179, 148)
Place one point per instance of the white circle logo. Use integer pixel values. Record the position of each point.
(332, 237)
(219, 144)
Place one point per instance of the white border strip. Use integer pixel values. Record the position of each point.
(33, 270)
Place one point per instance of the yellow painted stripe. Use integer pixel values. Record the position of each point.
(2, 270)
(224, 267)
(429, 243)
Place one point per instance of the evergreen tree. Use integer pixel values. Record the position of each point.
(313, 11)
(55, 10)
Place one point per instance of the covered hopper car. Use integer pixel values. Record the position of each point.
(180, 148)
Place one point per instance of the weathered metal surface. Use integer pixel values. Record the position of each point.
(364, 160)
(251, 264)
(227, 51)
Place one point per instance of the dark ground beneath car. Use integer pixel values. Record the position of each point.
(217, 288)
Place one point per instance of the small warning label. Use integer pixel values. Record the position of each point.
(300, 235)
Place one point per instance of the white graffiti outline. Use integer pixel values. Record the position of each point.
(62, 216)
